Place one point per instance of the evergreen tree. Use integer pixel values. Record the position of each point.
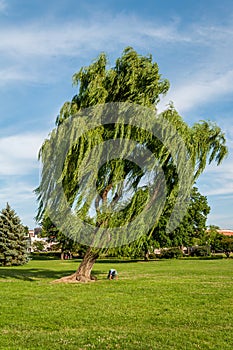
(13, 241)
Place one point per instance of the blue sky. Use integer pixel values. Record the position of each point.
(43, 43)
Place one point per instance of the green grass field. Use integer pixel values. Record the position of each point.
(173, 304)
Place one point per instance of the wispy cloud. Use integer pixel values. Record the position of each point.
(3, 6)
(36, 50)
(18, 154)
(32, 50)
(16, 191)
(34, 46)
(16, 73)
(224, 220)
(68, 38)
(21, 197)
(207, 71)
(218, 180)
(19, 173)
(200, 89)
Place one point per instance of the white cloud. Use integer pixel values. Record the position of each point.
(199, 90)
(3, 6)
(69, 38)
(37, 47)
(206, 72)
(16, 191)
(19, 154)
(16, 73)
(27, 50)
(21, 197)
(218, 180)
(224, 221)
(19, 174)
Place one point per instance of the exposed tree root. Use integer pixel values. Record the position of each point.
(83, 273)
(75, 278)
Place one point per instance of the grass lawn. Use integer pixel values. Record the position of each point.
(167, 304)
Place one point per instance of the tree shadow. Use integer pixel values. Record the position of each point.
(31, 275)
(35, 274)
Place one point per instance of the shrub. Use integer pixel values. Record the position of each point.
(200, 251)
(171, 253)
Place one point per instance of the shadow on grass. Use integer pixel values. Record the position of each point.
(31, 275)
(34, 274)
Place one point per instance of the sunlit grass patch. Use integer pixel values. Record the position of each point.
(173, 304)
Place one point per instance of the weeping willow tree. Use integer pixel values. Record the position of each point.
(112, 163)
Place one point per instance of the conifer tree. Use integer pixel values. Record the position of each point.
(13, 241)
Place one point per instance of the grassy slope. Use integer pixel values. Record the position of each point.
(173, 304)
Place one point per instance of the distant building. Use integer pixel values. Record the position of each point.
(31, 233)
(34, 232)
(33, 237)
(226, 232)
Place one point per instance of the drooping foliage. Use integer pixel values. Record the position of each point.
(134, 78)
(122, 188)
(13, 240)
(60, 241)
(191, 230)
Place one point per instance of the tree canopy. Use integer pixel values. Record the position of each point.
(136, 163)
(134, 78)
(192, 227)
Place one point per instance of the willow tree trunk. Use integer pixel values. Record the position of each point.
(85, 268)
(83, 273)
